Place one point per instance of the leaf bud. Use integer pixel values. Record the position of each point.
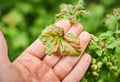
(114, 68)
(102, 44)
(113, 58)
(99, 64)
(109, 64)
(94, 67)
(93, 61)
(95, 73)
(115, 61)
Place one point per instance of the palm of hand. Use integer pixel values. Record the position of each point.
(34, 66)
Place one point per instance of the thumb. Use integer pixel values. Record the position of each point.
(3, 50)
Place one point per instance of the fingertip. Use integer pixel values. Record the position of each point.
(64, 24)
(84, 40)
(85, 35)
(63, 21)
(79, 26)
(88, 57)
(76, 29)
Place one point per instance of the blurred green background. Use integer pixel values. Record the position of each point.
(23, 20)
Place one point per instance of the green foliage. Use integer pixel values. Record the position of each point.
(71, 12)
(104, 57)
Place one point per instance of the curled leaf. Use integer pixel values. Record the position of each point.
(73, 13)
(57, 42)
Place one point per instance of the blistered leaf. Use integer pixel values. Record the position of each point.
(57, 42)
(73, 13)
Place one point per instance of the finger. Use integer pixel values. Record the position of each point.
(53, 59)
(3, 50)
(84, 40)
(49, 59)
(65, 24)
(79, 70)
(76, 29)
(69, 61)
(3, 45)
(37, 49)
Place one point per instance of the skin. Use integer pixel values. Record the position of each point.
(34, 66)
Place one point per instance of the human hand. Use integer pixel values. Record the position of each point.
(34, 66)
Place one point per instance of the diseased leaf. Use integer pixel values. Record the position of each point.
(57, 42)
(73, 13)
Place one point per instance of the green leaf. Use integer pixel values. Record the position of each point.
(99, 52)
(111, 23)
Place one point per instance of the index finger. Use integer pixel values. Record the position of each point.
(79, 70)
(37, 49)
(3, 50)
